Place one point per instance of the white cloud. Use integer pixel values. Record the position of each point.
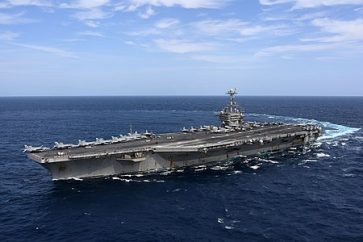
(234, 29)
(47, 49)
(90, 17)
(166, 23)
(221, 59)
(134, 4)
(288, 49)
(273, 2)
(147, 14)
(85, 4)
(182, 46)
(319, 3)
(146, 32)
(8, 35)
(312, 3)
(220, 27)
(129, 42)
(91, 33)
(342, 31)
(13, 3)
(14, 18)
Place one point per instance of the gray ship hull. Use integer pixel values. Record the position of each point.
(157, 156)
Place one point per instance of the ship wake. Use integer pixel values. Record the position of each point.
(330, 130)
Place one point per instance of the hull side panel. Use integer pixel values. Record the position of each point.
(154, 162)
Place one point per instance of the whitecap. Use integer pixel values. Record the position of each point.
(201, 166)
(165, 173)
(127, 175)
(255, 167)
(228, 227)
(322, 155)
(219, 168)
(201, 169)
(349, 175)
(76, 178)
(220, 220)
(121, 179)
(269, 161)
(310, 160)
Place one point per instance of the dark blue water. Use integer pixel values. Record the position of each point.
(316, 195)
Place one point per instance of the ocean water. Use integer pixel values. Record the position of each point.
(310, 195)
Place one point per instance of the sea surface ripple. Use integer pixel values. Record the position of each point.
(313, 194)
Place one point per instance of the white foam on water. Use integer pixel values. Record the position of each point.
(322, 155)
(200, 169)
(201, 166)
(255, 167)
(176, 190)
(165, 173)
(268, 161)
(349, 175)
(219, 168)
(308, 160)
(126, 175)
(331, 130)
(220, 220)
(76, 179)
(121, 179)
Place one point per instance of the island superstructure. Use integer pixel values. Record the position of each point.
(148, 152)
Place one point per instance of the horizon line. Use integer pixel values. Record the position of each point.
(184, 95)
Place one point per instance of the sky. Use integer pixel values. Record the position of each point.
(181, 47)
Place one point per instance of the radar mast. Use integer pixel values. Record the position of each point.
(231, 116)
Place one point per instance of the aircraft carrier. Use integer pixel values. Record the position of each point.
(148, 152)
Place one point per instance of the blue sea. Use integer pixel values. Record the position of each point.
(312, 195)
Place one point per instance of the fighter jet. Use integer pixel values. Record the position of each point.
(192, 130)
(133, 136)
(147, 134)
(115, 140)
(100, 141)
(31, 149)
(61, 146)
(83, 143)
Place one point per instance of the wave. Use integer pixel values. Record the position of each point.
(331, 130)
